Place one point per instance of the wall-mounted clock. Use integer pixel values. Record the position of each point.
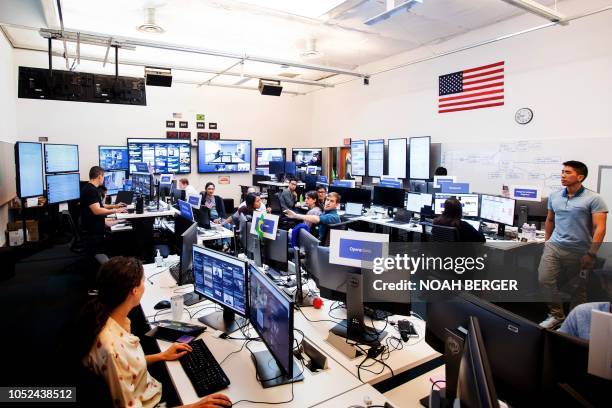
(523, 116)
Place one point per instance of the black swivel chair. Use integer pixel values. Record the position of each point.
(441, 233)
(339, 226)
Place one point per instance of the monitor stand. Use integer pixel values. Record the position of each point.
(225, 321)
(269, 373)
(354, 328)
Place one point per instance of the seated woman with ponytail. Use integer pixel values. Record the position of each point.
(112, 352)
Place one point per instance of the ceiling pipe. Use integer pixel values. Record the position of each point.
(128, 42)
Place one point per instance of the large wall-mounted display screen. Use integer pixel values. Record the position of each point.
(224, 156)
(162, 155)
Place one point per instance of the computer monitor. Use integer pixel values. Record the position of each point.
(304, 157)
(497, 209)
(114, 181)
(376, 157)
(142, 184)
(414, 203)
(419, 157)
(224, 156)
(353, 208)
(275, 252)
(417, 186)
(290, 168)
(62, 187)
(469, 203)
(398, 157)
(186, 234)
(277, 167)
(271, 315)
(358, 157)
(264, 155)
(166, 179)
(519, 380)
(29, 164)
(61, 158)
(475, 386)
(162, 155)
(389, 197)
(185, 210)
(221, 278)
(113, 157)
(201, 215)
(353, 195)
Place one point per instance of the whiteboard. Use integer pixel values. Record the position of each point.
(489, 165)
(8, 186)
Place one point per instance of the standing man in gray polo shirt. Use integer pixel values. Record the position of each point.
(575, 229)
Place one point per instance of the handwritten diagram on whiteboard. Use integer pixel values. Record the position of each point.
(489, 165)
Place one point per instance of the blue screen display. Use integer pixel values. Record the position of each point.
(185, 210)
(30, 171)
(61, 158)
(62, 187)
(224, 156)
(113, 157)
(114, 181)
(221, 278)
(164, 156)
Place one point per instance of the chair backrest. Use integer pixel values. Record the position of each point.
(442, 233)
(339, 226)
(228, 203)
(274, 203)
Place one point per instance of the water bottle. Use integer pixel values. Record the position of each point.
(159, 260)
(532, 232)
(525, 231)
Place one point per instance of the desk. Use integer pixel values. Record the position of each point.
(239, 367)
(414, 352)
(278, 184)
(411, 392)
(146, 214)
(356, 397)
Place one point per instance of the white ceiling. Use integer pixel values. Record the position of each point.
(244, 28)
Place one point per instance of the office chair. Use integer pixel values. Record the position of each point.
(76, 243)
(228, 203)
(274, 203)
(339, 226)
(441, 233)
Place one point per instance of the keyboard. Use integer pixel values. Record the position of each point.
(203, 370)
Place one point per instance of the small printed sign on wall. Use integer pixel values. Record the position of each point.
(171, 135)
(224, 180)
(200, 116)
(214, 136)
(183, 125)
(212, 125)
(202, 135)
(201, 125)
(177, 115)
(184, 135)
(170, 124)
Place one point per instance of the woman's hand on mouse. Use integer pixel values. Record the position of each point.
(176, 351)
(212, 401)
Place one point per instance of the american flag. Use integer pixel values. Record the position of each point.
(474, 88)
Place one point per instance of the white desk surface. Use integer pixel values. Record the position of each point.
(357, 397)
(408, 395)
(414, 352)
(147, 214)
(215, 232)
(239, 367)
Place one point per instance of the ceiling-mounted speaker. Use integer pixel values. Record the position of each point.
(158, 76)
(270, 87)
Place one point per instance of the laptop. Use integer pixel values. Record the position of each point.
(402, 216)
(352, 210)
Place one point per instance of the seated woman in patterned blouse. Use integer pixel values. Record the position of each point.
(114, 353)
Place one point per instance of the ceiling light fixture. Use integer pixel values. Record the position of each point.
(537, 8)
(392, 8)
(311, 51)
(150, 26)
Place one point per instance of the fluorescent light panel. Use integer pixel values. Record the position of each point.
(539, 9)
(305, 8)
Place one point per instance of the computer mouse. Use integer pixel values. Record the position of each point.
(162, 304)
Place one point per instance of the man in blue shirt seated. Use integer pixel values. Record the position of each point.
(578, 322)
(330, 215)
(575, 228)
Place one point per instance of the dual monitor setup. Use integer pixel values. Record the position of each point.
(273, 161)
(246, 295)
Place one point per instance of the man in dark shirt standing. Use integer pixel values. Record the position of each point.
(93, 212)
